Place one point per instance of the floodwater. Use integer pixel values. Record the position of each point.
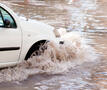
(72, 66)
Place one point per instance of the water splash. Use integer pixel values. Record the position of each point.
(57, 58)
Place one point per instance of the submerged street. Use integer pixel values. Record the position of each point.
(88, 71)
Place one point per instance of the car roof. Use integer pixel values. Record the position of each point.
(2, 5)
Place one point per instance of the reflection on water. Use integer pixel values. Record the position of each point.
(80, 15)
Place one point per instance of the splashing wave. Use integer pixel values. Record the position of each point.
(57, 58)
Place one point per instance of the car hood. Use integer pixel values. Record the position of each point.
(37, 29)
(32, 25)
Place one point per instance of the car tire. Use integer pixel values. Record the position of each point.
(37, 49)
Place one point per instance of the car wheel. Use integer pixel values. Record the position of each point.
(39, 50)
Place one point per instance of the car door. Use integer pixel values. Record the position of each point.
(10, 38)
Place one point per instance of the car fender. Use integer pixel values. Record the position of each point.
(27, 44)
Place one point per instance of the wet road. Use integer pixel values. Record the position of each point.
(89, 18)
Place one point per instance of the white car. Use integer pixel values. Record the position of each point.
(19, 38)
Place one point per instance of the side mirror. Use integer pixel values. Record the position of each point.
(7, 23)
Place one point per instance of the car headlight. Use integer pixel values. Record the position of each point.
(60, 32)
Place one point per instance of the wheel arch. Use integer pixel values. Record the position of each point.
(36, 46)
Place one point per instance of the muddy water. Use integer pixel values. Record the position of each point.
(89, 18)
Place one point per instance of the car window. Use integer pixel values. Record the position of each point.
(7, 16)
(1, 20)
